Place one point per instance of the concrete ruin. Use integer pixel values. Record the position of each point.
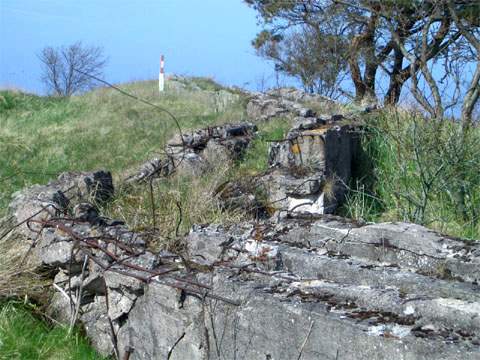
(197, 152)
(309, 169)
(297, 285)
(309, 287)
(289, 102)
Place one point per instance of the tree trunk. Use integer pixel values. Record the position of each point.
(396, 80)
(364, 85)
(471, 98)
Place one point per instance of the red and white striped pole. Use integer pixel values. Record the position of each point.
(161, 76)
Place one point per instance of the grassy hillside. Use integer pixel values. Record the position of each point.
(41, 137)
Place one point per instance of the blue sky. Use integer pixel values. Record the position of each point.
(198, 37)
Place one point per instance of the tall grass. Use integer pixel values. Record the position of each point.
(23, 336)
(255, 160)
(418, 170)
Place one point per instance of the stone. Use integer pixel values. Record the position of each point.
(280, 288)
(41, 202)
(297, 95)
(301, 284)
(310, 168)
(263, 109)
(86, 212)
(209, 244)
(284, 102)
(195, 153)
(56, 251)
(97, 326)
(162, 326)
(154, 167)
(120, 303)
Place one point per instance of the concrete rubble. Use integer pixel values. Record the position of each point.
(195, 153)
(298, 285)
(310, 168)
(319, 286)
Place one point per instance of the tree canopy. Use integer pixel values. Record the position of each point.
(402, 41)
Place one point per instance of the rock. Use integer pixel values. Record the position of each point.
(55, 250)
(86, 212)
(41, 202)
(95, 187)
(297, 95)
(309, 169)
(289, 102)
(297, 285)
(263, 109)
(91, 284)
(131, 284)
(272, 289)
(190, 164)
(163, 326)
(195, 153)
(212, 243)
(153, 168)
(120, 303)
(360, 301)
(97, 326)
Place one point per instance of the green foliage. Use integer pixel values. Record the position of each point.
(178, 203)
(23, 336)
(7, 101)
(256, 156)
(41, 137)
(420, 171)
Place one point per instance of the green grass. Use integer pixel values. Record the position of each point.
(418, 170)
(41, 137)
(23, 336)
(256, 157)
(205, 83)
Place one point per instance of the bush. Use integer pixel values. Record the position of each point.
(418, 170)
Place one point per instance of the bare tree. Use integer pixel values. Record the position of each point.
(63, 67)
(448, 30)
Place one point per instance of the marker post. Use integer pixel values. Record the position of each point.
(161, 75)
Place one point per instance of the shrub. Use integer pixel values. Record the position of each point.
(418, 170)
